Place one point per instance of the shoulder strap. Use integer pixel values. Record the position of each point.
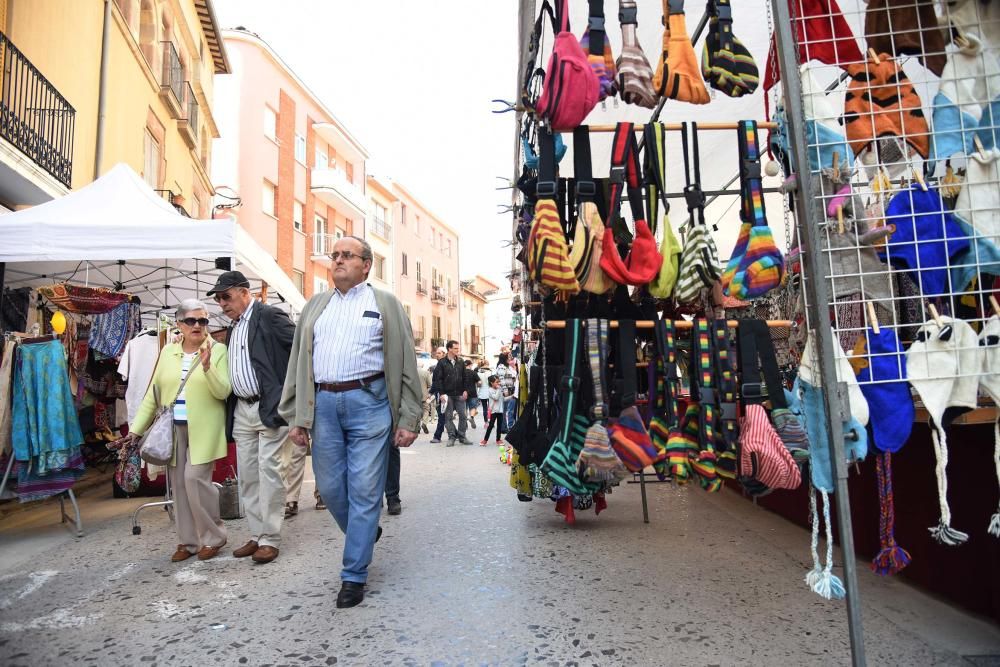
(562, 14)
(693, 194)
(756, 345)
(570, 380)
(655, 177)
(625, 384)
(597, 353)
(703, 379)
(666, 404)
(625, 172)
(751, 187)
(726, 378)
(583, 174)
(548, 186)
(595, 25)
(195, 363)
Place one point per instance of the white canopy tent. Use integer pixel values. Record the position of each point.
(117, 232)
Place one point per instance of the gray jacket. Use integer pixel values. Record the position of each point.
(298, 400)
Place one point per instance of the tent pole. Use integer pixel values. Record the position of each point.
(815, 285)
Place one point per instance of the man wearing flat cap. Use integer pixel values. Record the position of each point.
(259, 343)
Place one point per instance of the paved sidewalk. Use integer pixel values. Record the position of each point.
(466, 575)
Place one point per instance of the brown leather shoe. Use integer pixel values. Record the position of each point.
(248, 549)
(206, 552)
(265, 554)
(182, 553)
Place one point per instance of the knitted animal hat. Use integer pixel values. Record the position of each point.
(854, 264)
(677, 76)
(978, 202)
(883, 383)
(882, 102)
(725, 63)
(822, 34)
(635, 76)
(926, 237)
(809, 372)
(989, 340)
(976, 18)
(980, 259)
(971, 80)
(907, 27)
(943, 365)
(824, 135)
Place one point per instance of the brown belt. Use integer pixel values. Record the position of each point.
(348, 386)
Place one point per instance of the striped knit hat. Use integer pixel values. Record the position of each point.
(989, 340)
(725, 63)
(943, 365)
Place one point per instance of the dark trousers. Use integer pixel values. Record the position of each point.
(440, 425)
(486, 406)
(392, 478)
(498, 419)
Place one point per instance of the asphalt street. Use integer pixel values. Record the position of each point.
(466, 575)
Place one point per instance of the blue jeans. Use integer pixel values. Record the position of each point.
(510, 410)
(350, 449)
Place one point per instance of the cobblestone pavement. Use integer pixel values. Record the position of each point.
(466, 575)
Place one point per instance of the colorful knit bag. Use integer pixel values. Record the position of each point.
(628, 434)
(656, 184)
(677, 76)
(756, 266)
(597, 461)
(725, 62)
(548, 256)
(662, 388)
(585, 255)
(698, 268)
(635, 76)
(560, 463)
(597, 46)
(682, 444)
(570, 90)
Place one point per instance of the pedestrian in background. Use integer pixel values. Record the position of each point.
(453, 386)
(353, 384)
(472, 390)
(426, 380)
(496, 411)
(258, 342)
(437, 389)
(483, 391)
(199, 428)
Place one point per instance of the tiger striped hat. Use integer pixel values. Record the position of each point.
(882, 102)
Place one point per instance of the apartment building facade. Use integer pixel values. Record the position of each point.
(475, 295)
(379, 231)
(298, 171)
(426, 256)
(159, 114)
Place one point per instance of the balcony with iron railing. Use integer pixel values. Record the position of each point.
(437, 294)
(188, 125)
(322, 246)
(452, 301)
(381, 228)
(34, 117)
(422, 286)
(172, 80)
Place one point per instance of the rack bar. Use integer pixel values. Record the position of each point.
(676, 127)
(678, 324)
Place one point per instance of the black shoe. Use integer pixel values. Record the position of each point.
(351, 594)
(472, 420)
(465, 441)
(451, 443)
(424, 428)
(291, 509)
(378, 535)
(395, 508)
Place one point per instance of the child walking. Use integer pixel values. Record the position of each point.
(496, 400)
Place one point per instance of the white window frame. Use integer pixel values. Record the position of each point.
(319, 234)
(269, 191)
(151, 151)
(320, 285)
(321, 158)
(298, 214)
(378, 264)
(270, 123)
(300, 148)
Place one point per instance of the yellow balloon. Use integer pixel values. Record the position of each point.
(58, 322)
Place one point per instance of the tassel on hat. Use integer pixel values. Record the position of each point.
(989, 340)
(821, 579)
(891, 558)
(943, 365)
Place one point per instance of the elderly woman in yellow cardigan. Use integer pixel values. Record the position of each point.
(199, 428)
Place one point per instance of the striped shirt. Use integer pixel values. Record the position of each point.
(180, 407)
(241, 373)
(347, 337)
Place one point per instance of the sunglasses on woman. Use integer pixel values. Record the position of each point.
(200, 321)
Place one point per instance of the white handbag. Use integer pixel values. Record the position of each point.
(156, 445)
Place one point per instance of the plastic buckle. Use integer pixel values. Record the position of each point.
(675, 7)
(724, 12)
(750, 169)
(617, 174)
(599, 411)
(706, 395)
(586, 189)
(570, 383)
(546, 189)
(753, 390)
(728, 412)
(628, 15)
(694, 196)
(628, 400)
(596, 23)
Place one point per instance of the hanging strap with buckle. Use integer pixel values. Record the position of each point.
(570, 382)
(583, 173)
(756, 348)
(751, 186)
(595, 23)
(725, 369)
(722, 14)
(548, 186)
(655, 177)
(694, 196)
(624, 385)
(703, 380)
(666, 403)
(625, 172)
(597, 353)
